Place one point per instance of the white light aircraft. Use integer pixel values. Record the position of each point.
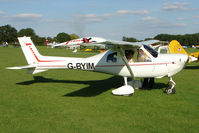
(87, 41)
(114, 61)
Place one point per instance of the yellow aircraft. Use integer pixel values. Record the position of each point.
(196, 55)
(175, 47)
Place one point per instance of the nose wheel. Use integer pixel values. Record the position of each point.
(171, 88)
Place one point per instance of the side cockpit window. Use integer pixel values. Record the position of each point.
(142, 56)
(164, 50)
(112, 57)
(129, 55)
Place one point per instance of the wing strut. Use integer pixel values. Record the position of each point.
(125, 61)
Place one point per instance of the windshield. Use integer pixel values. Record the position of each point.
(151, 51)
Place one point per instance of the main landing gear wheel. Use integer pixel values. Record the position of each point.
(125, 90)
(171, 88)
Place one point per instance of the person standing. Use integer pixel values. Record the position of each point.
(6, 44)
(15, 44)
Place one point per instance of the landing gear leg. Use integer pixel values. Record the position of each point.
(125, 81)
(125, 90)
(171, 89)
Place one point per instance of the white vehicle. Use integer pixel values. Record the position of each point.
(113, 61)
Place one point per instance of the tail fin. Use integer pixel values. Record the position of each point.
(175, 47)
(33, 57)
(30, 52)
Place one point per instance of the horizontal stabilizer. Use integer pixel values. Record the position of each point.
(30, 69)
(21, 67)
(35, 71)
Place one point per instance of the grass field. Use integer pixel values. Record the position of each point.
(81, 102)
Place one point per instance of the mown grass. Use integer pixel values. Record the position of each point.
(81, 102)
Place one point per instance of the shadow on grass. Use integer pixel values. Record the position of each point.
(160, 86)
(95, 87)
(192, 67)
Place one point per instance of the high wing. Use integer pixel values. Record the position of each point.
(97, 41)
(110, 43)
(133, 44)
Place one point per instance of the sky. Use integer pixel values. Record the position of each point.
(111, 19)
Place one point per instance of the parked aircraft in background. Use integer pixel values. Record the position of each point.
(175, 47)
(87, 41)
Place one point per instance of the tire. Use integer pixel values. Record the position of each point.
(170, 91)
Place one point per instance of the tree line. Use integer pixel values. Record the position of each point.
(185, 40)
(9, 34)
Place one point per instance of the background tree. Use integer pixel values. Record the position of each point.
(146, 39)
(8, 33)
(27, 32)
(74, 36)
(129, 39)
(187, 39)
(50, 39)
(63, 37)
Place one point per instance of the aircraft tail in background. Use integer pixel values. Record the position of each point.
(175, 47)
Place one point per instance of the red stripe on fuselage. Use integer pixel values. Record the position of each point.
(29, 45)
(132, 65)
(67, 43)
(52, 66)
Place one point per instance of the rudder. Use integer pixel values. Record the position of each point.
(30, 51)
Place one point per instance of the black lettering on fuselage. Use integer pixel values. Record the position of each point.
(83, 66)
(91, 66)
(78, 66)
(70, 65)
